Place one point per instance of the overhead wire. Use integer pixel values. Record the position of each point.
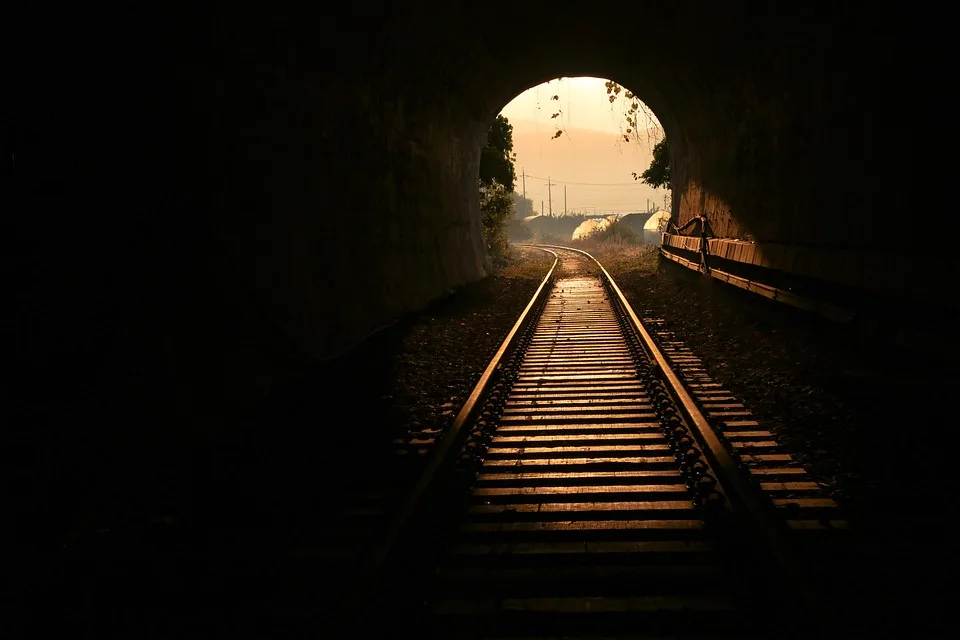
(591, 184)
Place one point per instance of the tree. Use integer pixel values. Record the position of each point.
(637, 116)
(497, 175)
(496, 210)
(633, 110)
(497, 158)
(658, 173)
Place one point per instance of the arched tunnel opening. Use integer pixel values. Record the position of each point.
(594, 140)
(218, 214)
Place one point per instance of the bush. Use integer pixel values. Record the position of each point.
(610, 231)
(618, 233)
(496, 211)
(619, 248)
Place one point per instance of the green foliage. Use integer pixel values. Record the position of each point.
(658, 173)
(496, 210)
(497, 158)
(497, 175)
(633, 111)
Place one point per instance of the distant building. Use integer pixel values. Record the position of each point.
(654, 226)
(635, 222)
(591, 226)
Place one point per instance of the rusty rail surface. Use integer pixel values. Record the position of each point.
(442, 457)
(596, 495)
(747, 500)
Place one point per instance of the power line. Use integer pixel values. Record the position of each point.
(602, 210)
(624, 190)
(592, 184)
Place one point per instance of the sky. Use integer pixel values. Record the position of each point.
(583, 103)
(590, 160)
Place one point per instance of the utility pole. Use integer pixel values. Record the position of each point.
(564, 200)
(524, 182)
(541, 208)
(549, 196)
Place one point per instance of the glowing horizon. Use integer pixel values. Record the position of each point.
(590, 163)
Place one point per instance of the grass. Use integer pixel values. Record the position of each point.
(620, 258)
(541, 237)
(522, 263)
(620, 250)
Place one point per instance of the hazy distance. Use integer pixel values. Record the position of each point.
(590, 158)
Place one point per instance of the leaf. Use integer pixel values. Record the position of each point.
(557, 135)
(612, 98)
(626, 138)
(555, 115)
(555, 98)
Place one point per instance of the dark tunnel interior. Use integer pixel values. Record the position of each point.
(206, 205)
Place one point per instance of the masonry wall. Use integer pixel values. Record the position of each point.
(212, 200)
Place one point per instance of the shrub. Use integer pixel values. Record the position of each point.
(496, 211)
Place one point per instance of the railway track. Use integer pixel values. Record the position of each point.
(598, 485)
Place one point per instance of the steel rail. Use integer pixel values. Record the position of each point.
(442, 457)
(746, 499)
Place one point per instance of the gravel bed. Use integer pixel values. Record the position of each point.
(842, 404)
(438, 356)
(229, 541)
(861, 416)
(403, 387)
(869, 419)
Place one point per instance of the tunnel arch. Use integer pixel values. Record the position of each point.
(664, 117)
(325, 165)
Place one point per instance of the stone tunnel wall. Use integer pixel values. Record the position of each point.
(199, 193)
(239, 207)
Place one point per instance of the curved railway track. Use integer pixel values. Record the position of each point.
(598, 483)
